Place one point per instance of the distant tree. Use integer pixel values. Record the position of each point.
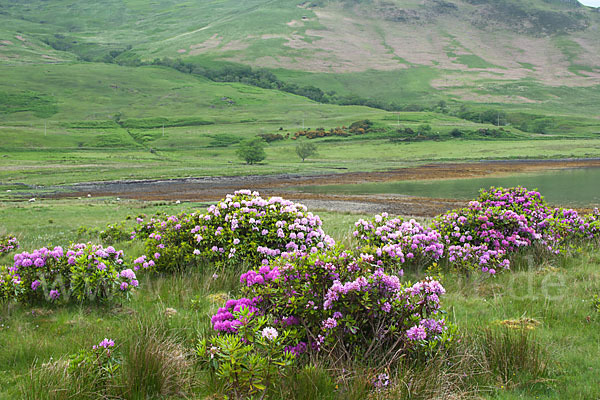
(541, 125)
(252, 151)
(271, 137)
(443, 106)
(360, 127)
(493, 117)
(305, 150)
(424, 129)
(456, 133)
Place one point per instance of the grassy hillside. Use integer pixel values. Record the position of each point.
(459, 50)
(78, 100)
(73, 122)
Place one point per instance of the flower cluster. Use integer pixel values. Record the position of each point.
(381, 381)
(561, 226)
(395, 241)
(145, 226)
(225, 320)
(129, 280)
(465, 257)
(336, 300)
(502, 221)
(593, 224)
(84, 272)
(518, 199)
(106, 343)
(11, 285)
(243, 227)
(269, 333)
(264, 274)
(143, 262)
(8, 243)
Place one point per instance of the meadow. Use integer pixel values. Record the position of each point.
(95, 127)
(128, 90)
(526, 333)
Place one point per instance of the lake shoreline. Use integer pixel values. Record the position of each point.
(214, 188)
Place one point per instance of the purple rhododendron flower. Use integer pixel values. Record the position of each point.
(416, 333)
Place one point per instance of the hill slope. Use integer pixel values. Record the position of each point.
(463, 50)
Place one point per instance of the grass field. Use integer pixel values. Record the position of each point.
(556, 294)
(91, 122)
(77, 105)
(72, 165)
(70, 113)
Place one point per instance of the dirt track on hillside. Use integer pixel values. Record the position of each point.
(215, 188)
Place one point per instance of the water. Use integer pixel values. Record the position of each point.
(567, 187)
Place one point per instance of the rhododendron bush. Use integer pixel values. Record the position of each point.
(482, 236)
(504, 221)
(593, 224)
(478, 236)
(556, 226)
(394, 241)
(82, 272)
(338, 302)
(8, 243)
(243, 227)
(350, 303)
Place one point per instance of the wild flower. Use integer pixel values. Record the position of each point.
(226, 321)
(381, 381)
(393, 241)
(105, 343)
(416, 333)
(270, 333)
(100, 364)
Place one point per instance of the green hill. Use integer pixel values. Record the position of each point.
(463, 50)
(82, 77)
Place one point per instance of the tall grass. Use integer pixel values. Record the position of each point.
(514, 356)
(51, 381)
(156, 364)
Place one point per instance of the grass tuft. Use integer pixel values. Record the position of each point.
(156, 364)
(51, 381)
(514, 356)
